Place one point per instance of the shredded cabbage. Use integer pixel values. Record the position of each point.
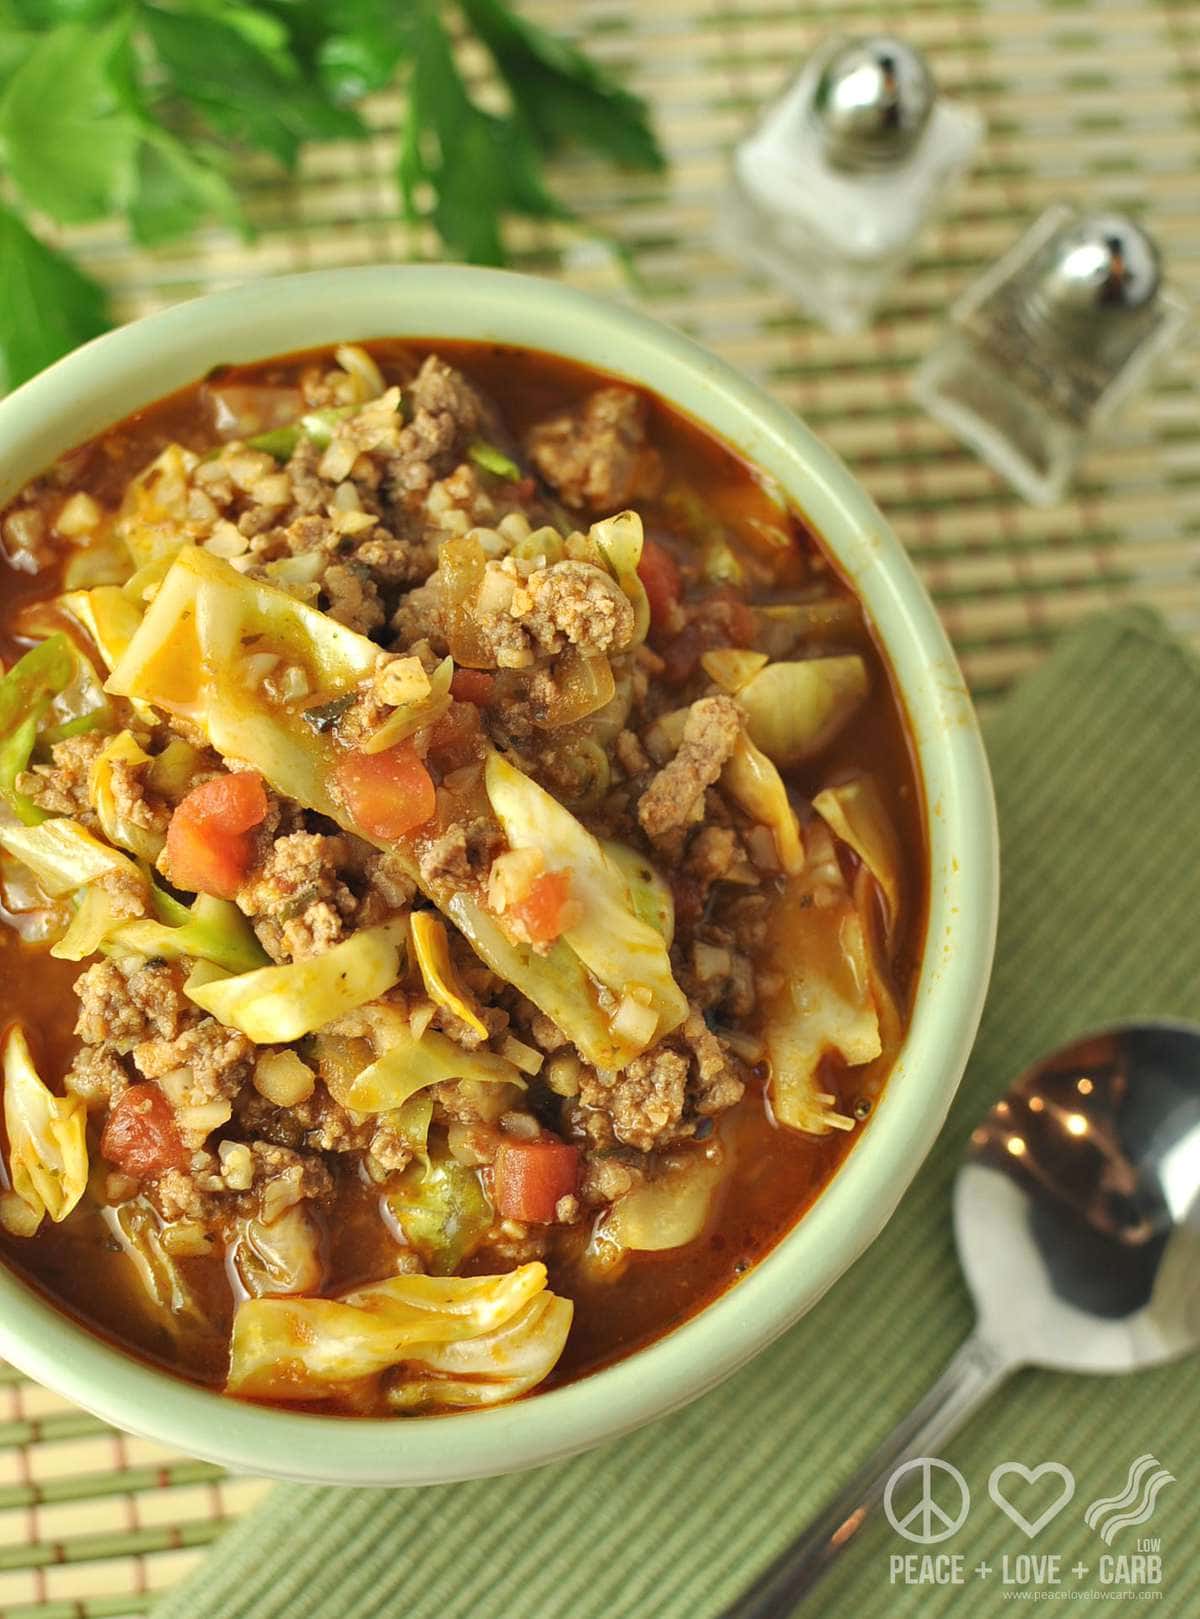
(649, 893)
(110, 620)
(108, 616)
(411, 1123)
(209, 929)
(825, 1004)
(625, 953)
(153, 518)
(279, 1258)
(583, 685)
(408, 1063)
(137, 1228)
(105, 561)
(556, 983)
(755, 784)
(493, 460)
(123, 830)
(440, 1211)
(431, 947)
(65, 858)
(99, 911)
(63, 855)
(794, 709)
(670, 1210)
(273, 1005)
(47, 1140)
(307, 1349)
(731, 668)
(189, 652)
(26, 693)
(496, 1366)
(857, 814)
(621, 541)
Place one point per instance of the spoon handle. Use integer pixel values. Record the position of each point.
(975, 1370)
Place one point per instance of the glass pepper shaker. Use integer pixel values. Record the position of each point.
(832, 188)
(1043, 350)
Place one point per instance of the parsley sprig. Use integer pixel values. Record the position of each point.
(141, 108)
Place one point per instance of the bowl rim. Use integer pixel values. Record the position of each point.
(105, 381)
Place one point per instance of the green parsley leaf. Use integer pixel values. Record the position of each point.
(47, 306)
(47, 13)
(478, 165)
(362, 53)
(234, 65)
(177, 187)
(66, 138)
(563, 96)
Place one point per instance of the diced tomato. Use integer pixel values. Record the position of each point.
(473, 686)
(529, 1177)
(659, 573)
(209, 848)
(739, 616)
(456, 740)
(232, 803)
(721, 619)
(681, 655)
(541, 911)
(389, 793)
(141, 1136)
(689, 896)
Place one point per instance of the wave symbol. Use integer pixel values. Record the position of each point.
(1146, 1481)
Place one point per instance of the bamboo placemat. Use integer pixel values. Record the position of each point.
(1092, 100)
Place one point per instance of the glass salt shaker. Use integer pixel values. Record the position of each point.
(831, 190)
(1043, 350)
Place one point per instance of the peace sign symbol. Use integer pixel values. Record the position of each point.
(919, 1523)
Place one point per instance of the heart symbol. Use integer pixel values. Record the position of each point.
(1031, 1476)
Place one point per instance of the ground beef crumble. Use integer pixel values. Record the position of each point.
(675, 797)
(596, 455)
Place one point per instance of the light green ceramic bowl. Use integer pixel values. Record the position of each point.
(117, 374)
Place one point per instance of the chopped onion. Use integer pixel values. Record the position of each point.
(712, 961)
(227, 541)
(283, 1078)
(496, 591)
(79, 517)
(359, 364)
(634, 1022)
(257, 667)
(526, 1058)
(237, 1165)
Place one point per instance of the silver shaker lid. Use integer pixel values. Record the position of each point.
(1099, 270)
(1071, 312)
(872, 102)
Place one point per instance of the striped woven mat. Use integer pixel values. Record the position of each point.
(1091, 100)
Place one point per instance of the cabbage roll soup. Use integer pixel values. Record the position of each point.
(462, 876)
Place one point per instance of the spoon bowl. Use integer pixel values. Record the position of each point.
(1077, 1211)
(1077, 1219)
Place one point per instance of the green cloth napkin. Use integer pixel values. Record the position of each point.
(1097, 766)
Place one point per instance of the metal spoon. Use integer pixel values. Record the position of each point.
(1077, 1218)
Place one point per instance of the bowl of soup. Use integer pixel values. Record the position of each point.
(498, 874)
